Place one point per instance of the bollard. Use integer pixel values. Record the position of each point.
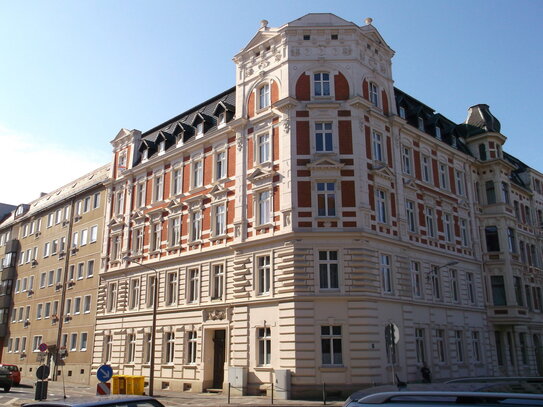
(272, 394)
(323, 393)
(229, 385)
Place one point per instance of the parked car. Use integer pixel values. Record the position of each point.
(15, 373)
(102, 401)
(5, 379)
(443, 394)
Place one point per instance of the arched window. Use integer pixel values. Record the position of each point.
(374, 94)
(264, 96)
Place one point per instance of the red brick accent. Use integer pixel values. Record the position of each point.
(231, 170)
(343, 113)
(251, 105)
(345, 137)
(368, 141)
(250, 153)
(384, 98)
(302, 87)
(348, 195)
(249, 206)
(393, 204)
(305, 214)
(349, 224)
(208, 169)
(230, 212)
(347, 173)
(422, 219)
(416, 158)
(274, 92)
(436, 174)
(451, 180)
(302, 137)
(275, 143)
(206, 219)
(302, 113)
(149, 188)
(304, 173)
(371, 194)
(365, 90)
(304, 194)
(347, 161)
(341, 87)
(348, 214)
(276, 200)
(302, 162)
(389, 152)
(305, 224)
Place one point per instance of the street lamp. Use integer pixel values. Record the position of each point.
(153, 328)
(434, 270)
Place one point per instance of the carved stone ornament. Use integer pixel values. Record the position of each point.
(347, 51)
(214, 315)
(286, 125)
(239, 141)
(295, 52)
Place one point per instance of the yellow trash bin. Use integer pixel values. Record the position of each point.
(118, 384)
(135, 385)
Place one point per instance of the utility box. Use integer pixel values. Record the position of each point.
(281, 386)
(237, 379)
(118, 385)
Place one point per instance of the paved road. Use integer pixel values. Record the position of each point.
(25, 394)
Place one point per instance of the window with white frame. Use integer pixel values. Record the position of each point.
(84, 237)
(470, 283)
(386, 273)
(200, 130)
(420, 345)
(86, 304)
(264, 346)
(36, 342)
(440, 345)
(195, 225)
(130, 348)
(416, 279)
(137, 240)
(95, 201)
(464, 232)
(263, 148)
(263, 275)
(217, 281)
(77, 305)
(263, 208)
(134, 293)
(459, 345)
(374, 94)
(171, 288)
(68, 307)
(443, 176)
(407, 161)
(459, 177)
(426, 163)
(411, 217)
(264, 96)
(39, 311)
(381, 206)
(197, 173)
(476, 346)
(151, 290)
(448, 227)
(192, 342)
(331, 347)
(193, 285)
(175, 231)
(73, 342)
(220, 165)
(378, 146)
(420, 123)
(326, 199)
(328, 269)
(158, 189)
(90, 268)
(147, 341)
(401, 112)
(430, 222)
(46, 249)
(438, 132)
(169, 347)
(111, 297)
(177, 179)
(115, 247)
(323, 137)
(435, 279)
(321, 84)
(155, 238)
(140, 194)
(219, 220)
(83, 340)
(119, 202)
(108, 348)
(454, 285)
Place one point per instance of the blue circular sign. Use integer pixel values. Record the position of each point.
(104, 373)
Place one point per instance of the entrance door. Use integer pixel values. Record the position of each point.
(218, 358)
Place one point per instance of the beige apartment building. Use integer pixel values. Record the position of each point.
(51, 256)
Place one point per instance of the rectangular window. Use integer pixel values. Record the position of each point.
(492, 239)
(381, 203)
(490, 192)
(323, 137)
(169, 348)
(86, 304)
(36, 342)
(39, 311)
(220, 165)
(80, 271)
(377, 145)
(194, 285)
(407, 161)
(90, 268)
(84, 237)
(264, 346)
(197, 174)
(464, 232)
(426, 163)
(140, 194)
(196, 225)
(111, 296)
(511, 240)
(447, 223)
(175, 232)
(137, 241)
(476, 346)
(440, 344)
(96, 200)
(151, 289)
(523, 348)
(420, 346)
(192, 342)
(171, 288)
(264, 96)
(470, 282)
(119, 202)
(328, 269)
(443, 176)
(331, 345)
(217, 282)
(459, 177)
(177, 175)
(108, 348)
(498, 290)
(264, 275)
(73, 342)
(134, 293)
(147, 342)
(77, 305)
(155, 238)
(435, 278)
(83, 341)
(68, 306)
(416, 280)
(459, 345)
(374, 94)
(505, 192)
(264, 207)
(411, 218)
(386, 274)
(321, 84)
(219, 221)
(263, 148)
(130, 348)
(326, 199)
(430, 223)
(46, 249)
(517, 281)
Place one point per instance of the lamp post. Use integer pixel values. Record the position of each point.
(153, 328)
(434, 270)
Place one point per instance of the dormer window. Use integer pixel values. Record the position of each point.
(374, 94)
(438, 132)
(145, 155)
(401, 112)
(321, 84)
(420, 123)
(222, 119)
(200, 130)
(264, 96)
(162, 147)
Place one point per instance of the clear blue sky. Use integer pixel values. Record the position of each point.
(74, 72)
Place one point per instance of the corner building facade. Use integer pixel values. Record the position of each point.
(291, 221)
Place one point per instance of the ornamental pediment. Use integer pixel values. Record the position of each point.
(116, 222)
(325, 163)
(218, 192)
(261, 174)
(381, 169)
(195, 202)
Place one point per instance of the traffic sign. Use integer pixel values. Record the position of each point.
(103, 389)
(104, 373)
(392, 333)
(43, 372)
(42, 347)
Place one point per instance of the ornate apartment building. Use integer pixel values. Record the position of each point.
(294, 221)
(50, 252)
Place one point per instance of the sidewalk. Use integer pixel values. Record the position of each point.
(175, 398)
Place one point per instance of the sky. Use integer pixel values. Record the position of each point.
(73, 73)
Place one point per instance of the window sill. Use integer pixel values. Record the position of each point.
(194, 190)
(327, 218)
(192, 366)
(264, 226)
(174, 247)
(219, 237)
(168, 365)
(195, 243)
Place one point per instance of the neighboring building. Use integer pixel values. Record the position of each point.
(50, 255)
(5, 209)
(290, 220)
